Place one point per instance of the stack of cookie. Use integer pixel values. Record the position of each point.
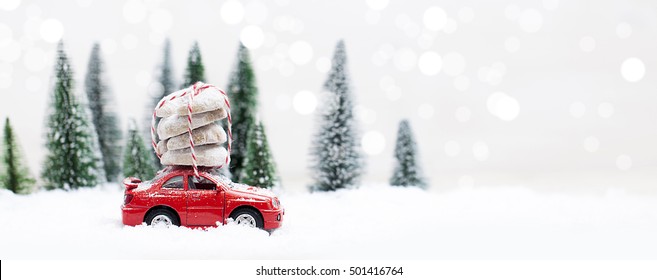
(208, 108)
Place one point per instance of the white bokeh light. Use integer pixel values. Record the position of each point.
(461, 83)
(51, 30)
(503, 106)
(373, 142)
(605, 110)
(453, 64)
(323, 64)
(134, 11)
(405, 59)
(623, 30)
(466, 14)
(160, 21)
(480, 151)
(624, 162)
(577, 109)
(377, 4)
(430, 63)
(6, 35)
(512, 44)
(633, 69)
(462, 114)
(530, 20)
(587, 44)
(425, 111)
(304, 102)
(434, 18)
(452, 148)
(450, 26)
(34, 59)
(232, 12)
(591, 144)
(252, 37)
(9, 5)
(300, 52)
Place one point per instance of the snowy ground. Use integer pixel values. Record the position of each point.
(372, 222)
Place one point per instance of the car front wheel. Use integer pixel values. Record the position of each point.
(162, 218)
(247, 217)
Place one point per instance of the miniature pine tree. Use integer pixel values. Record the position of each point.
(195, 71)
(103, 116)
(259, 167)
(168, 85)
(407, 170)
(70, 162)
(243, 94)
(136, 157)
(14, 175)
(335, 151)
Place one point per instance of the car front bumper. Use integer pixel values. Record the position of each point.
(273, 219)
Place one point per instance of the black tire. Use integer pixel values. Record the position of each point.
(241, 214)
(160, 214)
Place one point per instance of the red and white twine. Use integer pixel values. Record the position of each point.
(192, 91)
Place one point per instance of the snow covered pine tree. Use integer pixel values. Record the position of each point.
(195, 70)
(103, 116)
(14, 175)
(71, 162)
(167, 85)
(407, 170)
(335, 151)
(137, 157)
(243, 94)
(259, 167)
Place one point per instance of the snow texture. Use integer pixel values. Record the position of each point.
(372, 222)
(206, 155)
(177, 124)
(209, 99)
(209, 134)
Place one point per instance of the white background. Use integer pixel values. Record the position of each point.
(568, 115)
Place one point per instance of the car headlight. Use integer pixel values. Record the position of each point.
(275, 202)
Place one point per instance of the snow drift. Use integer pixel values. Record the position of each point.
(373, 222)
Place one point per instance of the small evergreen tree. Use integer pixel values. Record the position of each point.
(14, 175)
(407, 169)
(195, 71)
(136, 157)
(102, 106)
(337, 160)
(259, 167)
(243, 94)
(168, 86)
(70, 162)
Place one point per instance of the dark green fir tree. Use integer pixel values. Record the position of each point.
(195, 71)
(102, 106)
(259, 167)
(407, 169)
(137, 160)
(335, 151)
(167, 85)
(71, 161)
(14, 174)
(243, 94)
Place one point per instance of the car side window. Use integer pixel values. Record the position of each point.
(174, 183)
(200, 183)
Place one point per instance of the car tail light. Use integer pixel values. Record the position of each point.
(127, 198)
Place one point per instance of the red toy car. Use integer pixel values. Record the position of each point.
(176, 197)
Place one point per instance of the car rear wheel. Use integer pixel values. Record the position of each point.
(247, 217)
(162, 218)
